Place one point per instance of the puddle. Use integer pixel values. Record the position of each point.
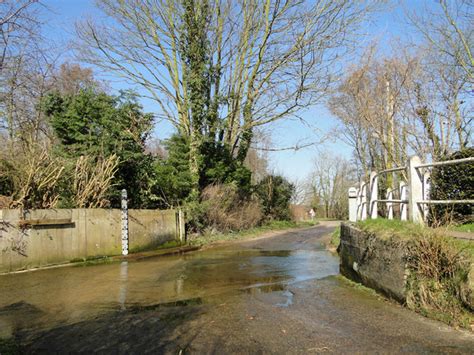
(48, 298)
(181, 303)
(289, 299)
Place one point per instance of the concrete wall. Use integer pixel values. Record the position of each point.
(90, 232)
(375, 262)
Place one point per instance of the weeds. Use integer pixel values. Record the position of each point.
(222, 208)
(9, 346)
(437, 284)
(439, 266)
(335, 237)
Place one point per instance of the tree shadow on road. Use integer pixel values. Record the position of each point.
(136, 329)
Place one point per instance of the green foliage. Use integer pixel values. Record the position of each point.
(6, 181)
(9, 346)
(466, 228)
(438, 285)
(173, 182)
(336, 237)
(386, 228)
(452, 182)
(99, 125)
(194, 49)
(275, 193)
(220, 167)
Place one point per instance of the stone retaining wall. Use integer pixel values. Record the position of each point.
(375, 262)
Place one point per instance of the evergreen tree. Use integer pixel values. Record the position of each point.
(97, 124)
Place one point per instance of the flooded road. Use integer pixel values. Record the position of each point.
(272, 295)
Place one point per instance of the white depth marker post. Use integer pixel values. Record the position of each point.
(124, 223)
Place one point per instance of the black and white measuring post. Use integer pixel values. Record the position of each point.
(124, 223)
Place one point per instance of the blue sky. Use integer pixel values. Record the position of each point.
(385, 25)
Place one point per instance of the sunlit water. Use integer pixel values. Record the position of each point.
(44, 299)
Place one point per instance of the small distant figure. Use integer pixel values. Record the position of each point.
(312, 214)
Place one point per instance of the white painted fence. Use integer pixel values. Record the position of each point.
(414, 193)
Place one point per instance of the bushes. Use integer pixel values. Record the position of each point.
(227, 207)
(452, 182)
(98, 125)
(223, 208)
(227, 210)
(438, 285)
(275, 193)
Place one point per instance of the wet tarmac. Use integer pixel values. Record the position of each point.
(272, 295)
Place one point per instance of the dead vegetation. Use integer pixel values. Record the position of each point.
(35, 175)
(226, 210)
(438, 285)
(38, 179)
(92, 181)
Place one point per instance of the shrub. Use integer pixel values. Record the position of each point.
(36, 178)
(437, 283)
(452, 182)
(275, 193)
(224, 209)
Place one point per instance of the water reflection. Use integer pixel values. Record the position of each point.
(123, 284)
(68, 295)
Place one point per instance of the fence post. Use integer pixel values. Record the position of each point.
(426, 194)
(415, 190)
(124, 223)
(403, 205)
(373, 184)
(389, 204)
(363, 201)
(352, 204)
(358, 199)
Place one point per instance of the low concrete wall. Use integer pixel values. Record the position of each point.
(375, 262)
(80, 233)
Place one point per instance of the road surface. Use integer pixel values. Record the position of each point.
(273, 295)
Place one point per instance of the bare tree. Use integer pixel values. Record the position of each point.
(449, 63)
(17, 22)
(25, 71)
(447, 29)
(265, 60)
(329, 182)
(393, 106)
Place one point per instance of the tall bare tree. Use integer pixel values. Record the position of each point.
(330, 179)
(265, 60)
(447, 29)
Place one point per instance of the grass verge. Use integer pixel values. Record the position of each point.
(335, 238)
(9, 347)
(466, 228)
(441, 274)
(206, 239)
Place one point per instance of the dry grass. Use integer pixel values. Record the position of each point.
(439, 265)
(437, 286)
(226, 211)
(36, 176)
(92, 180)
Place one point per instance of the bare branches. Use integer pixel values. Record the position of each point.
(92, 181)
(268, 59)
(448, 31)
(36, 175)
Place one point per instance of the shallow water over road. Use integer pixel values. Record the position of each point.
(277, 294)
